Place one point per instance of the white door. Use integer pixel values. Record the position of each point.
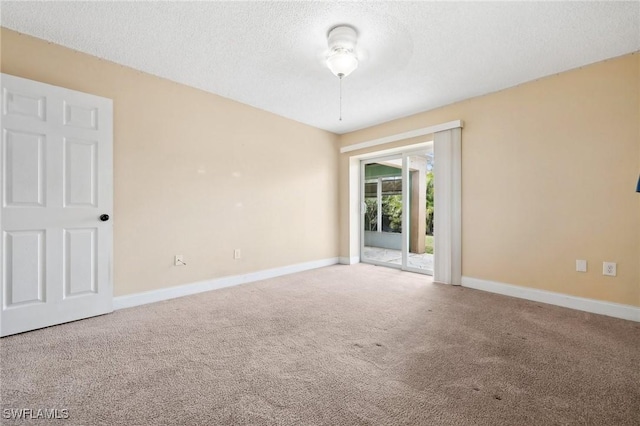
(57, 198)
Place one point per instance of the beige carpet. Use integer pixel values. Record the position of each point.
(343, 345)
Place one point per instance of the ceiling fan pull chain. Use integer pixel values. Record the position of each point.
(340, 98)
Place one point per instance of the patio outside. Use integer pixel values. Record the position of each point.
(418, 261)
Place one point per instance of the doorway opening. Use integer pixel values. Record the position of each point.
(397, 196)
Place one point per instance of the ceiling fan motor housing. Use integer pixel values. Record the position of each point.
(342, 37)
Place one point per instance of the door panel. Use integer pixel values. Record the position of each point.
(382, 217)
(419, 215)
(396, 195)
(24, 177)
(24, 280)
(57, 181)
(80, 261)
(80, 173)
(82, 116)
(32, 106)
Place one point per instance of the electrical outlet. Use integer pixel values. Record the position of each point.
(178, 260)
(609, 269)
(237, 254)
(581, 266)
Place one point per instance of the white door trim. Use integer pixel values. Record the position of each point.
(406, 135)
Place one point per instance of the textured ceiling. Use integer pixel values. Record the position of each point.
(415, 56)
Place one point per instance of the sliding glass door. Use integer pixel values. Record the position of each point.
(397, 211)
(382, 201)
(419, 212)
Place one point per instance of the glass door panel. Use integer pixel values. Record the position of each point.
(418, 240)
(382, 204)
(398, 212)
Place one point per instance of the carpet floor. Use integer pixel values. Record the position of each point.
(342, 345)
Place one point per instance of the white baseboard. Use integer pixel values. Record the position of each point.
(349, 260)
(611, 309)
(130, 300)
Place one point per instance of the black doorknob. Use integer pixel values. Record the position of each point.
(104, 217)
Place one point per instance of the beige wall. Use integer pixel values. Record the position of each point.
(548, 174)
(549, 171)
(197, 174)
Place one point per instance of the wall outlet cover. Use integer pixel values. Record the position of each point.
(581, 266)
(609, 269)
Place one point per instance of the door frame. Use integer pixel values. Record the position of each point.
(403, 155)
(447, 140)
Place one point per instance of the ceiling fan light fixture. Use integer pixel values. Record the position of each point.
(342, 63)
(341, 60)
